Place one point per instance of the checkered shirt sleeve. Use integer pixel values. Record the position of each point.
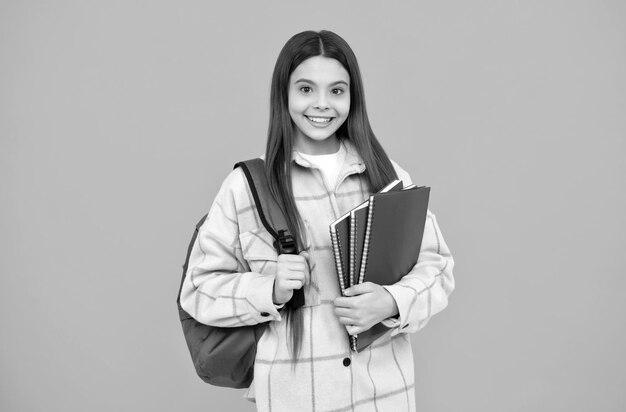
(219, 287)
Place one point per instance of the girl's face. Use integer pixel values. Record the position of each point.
(319, 103)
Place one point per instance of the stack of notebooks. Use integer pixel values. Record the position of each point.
(379, 241)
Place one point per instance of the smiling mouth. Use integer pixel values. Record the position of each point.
(319, 120)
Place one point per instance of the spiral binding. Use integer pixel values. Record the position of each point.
(337, 253)
(352, 247)
(366, 243)
(342, 284)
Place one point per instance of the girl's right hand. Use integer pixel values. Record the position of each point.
(292, 271)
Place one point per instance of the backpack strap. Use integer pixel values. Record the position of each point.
(270, 213)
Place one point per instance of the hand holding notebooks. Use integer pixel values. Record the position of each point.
(379, 241)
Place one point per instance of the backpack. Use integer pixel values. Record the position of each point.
(225, 356)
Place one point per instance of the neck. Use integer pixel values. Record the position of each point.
(317, 147)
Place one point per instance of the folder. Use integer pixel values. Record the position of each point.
(393, 238)
(393, 235)
(358, 224)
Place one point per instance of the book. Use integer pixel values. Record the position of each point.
(358, 223)
(358, 218)
(393, 239)
(393, 236)
(340, 240)
(340, 233)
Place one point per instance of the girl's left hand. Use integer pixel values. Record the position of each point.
(364, 306)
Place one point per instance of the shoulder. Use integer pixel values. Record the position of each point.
(234, 190)
(236, 182)
(402, 174)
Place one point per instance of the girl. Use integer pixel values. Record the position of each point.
(322, 159)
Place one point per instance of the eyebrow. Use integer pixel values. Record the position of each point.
(303, 80)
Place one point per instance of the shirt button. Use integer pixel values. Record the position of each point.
(264, 314)
(346, 361)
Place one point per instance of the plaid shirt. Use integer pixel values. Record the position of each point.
(230, 282)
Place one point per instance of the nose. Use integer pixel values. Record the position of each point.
(322, 103)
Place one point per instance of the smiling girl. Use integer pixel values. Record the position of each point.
(322, 159)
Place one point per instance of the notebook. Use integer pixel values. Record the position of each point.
(393, 235)
(340, 232)
(358, 223)
(340, 240)
(393, 238)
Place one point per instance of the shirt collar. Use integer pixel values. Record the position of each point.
(353, 163)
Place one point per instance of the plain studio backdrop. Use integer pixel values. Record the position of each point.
(120, 119)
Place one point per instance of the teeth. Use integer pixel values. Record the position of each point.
(319, 119)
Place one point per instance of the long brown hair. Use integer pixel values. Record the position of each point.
(378, 168)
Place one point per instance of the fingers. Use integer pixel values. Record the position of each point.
(355, 330)
(287, 258)
(361, 288)
(307, 270)
(292, 263)
(293, 267)
(292, 284)
(344, 302)
(294, 275)
(350, 316)
(305, 255)
(283, 288)
(346, 314)
(348, 321)
(295, 281)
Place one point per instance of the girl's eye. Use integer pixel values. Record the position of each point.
(305, 89)
(337, 91)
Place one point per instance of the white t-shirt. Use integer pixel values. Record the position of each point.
(329, 164)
